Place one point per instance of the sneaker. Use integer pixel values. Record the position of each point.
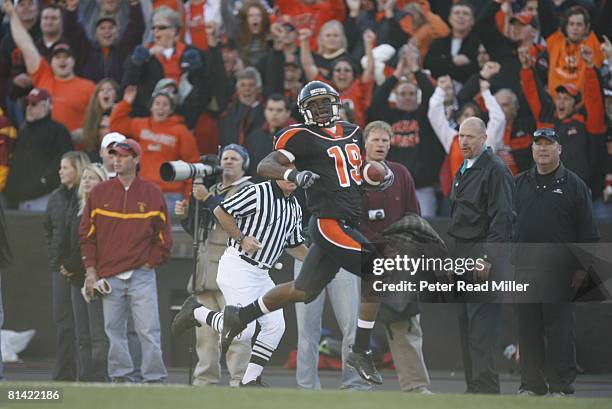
(526, 392)
(231, 326)
(363, 363)
(256, 383)
(185, 320)
(421, 390)
(557, 395)
(121, 379)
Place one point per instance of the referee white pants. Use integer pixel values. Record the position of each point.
(242, 283)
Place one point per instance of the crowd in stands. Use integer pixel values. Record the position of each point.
(185, 78)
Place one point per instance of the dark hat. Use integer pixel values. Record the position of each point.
(105, 18)
(61, 48)
(547, 133)
(37, 95)
(570, 89)
(127, 147)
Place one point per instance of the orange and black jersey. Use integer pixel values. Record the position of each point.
(336, 155)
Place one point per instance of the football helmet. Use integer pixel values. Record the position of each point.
(319, 104)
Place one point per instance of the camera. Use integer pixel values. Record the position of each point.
(178, 170)
(376, 214)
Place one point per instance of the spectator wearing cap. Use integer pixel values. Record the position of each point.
(581, 129)
(456, 54)
(564, 48)
(105, 56)
(162, 136)
(70, 93)
(260, 142)
(502, 47)
(553, 209)
(125, 233)
(90, 11)
(165, 57)
(40, 144)
(49, 34)
(108, 160)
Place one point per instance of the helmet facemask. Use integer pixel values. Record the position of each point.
(321, 111)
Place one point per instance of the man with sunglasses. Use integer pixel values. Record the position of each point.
(125, 233)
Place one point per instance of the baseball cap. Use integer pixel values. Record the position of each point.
(112, 138)
(105, 18)
(524, 17)
(570, 89)
(127, 147)
(37, 95)
(547, 133)
(61, 47)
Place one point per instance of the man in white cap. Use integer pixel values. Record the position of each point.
(108, 160)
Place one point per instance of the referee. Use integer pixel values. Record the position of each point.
(262, 221)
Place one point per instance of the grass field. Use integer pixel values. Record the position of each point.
(82, 396)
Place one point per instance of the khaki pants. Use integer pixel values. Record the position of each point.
(208, 369)
(406, 343)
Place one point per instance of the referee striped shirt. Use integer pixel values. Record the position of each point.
(263, 211)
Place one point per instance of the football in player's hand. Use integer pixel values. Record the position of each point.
(374, 173)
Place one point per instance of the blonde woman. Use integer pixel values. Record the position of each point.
(71, 168)
(88, 318)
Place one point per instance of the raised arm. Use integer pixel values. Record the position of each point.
(497, 119)
(369, 38)
(22, 39)
(437, 116)
(308, 64)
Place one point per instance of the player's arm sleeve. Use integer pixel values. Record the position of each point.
(242, 204)
(290, 144)
(297, 236)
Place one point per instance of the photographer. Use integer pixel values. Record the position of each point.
(213, 239)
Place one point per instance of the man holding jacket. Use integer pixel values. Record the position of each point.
(125, 233)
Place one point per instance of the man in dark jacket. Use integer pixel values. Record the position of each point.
(260, 142)
(103, 58)
(36, 158)
(553, 207)
(455, 55)
(481, 221)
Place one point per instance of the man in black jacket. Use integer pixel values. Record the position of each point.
(553, 207)
(456, 55)
(36, 158)
(481, 222)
